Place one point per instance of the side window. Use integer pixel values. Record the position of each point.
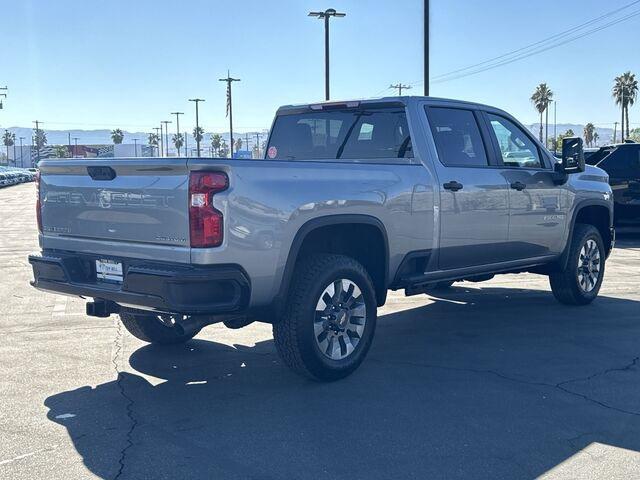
(457, 137)
(516, 147)
(623, 163)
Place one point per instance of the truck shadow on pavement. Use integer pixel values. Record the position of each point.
(479, 383)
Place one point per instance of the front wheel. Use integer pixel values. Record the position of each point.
(329, 320)
(580, 281)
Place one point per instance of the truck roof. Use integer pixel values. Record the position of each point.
(404, 100)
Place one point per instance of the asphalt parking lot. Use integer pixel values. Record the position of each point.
(489, 381)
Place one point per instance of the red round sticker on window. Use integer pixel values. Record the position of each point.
(272, 152)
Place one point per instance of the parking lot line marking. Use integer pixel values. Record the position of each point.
(26, 455)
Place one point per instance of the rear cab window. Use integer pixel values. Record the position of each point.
(361, 133)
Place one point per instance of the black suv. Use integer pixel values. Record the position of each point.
(622, 163)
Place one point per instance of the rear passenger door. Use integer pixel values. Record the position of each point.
(623, 167)
(473, 211)
(538, 206)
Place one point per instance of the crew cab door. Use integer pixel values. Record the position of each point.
(623, 167)
(537, 205)
(473, 210)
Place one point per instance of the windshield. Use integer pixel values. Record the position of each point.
(362, 133)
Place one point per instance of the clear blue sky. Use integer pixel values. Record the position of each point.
(92, 64)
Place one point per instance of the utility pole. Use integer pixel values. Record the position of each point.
(166, 131)
(69, 141)
(426, 48)
(158, 144)
(400, 87)
(135, 146)
(326, 15)
(21, 157)
(37, 140)
(197, 100)
(3, 95)
(177, 114)
(75, 148)
(229, 81)
(258, 143)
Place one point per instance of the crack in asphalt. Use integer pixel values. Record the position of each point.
(118, 346)
(559, 386)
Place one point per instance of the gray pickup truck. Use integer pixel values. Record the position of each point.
(352, 199)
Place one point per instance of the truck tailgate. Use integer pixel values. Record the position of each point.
(119, 200)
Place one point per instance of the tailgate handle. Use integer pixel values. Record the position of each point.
(101, 173)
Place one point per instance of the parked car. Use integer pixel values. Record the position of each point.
(622, 163)
(352, 199)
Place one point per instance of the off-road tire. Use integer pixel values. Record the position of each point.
(148, 328)
(294, 333)
(564, 283)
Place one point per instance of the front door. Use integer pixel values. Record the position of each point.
(473, 210)
(538, 206)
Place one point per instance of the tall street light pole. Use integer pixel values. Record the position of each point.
(75, 148)
(159, 140)
(197, 100)
(21, 158)
(161, 148)
(426, 48)
(177, 114)
(166, 131)
(326, 15)
(229, 81)
(135, 146)
(186, 145)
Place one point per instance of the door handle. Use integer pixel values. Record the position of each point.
(518, 186)
(453, 186)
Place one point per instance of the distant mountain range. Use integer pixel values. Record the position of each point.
(605, 135)
(101, 137)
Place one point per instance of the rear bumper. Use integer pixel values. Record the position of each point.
(163, 287)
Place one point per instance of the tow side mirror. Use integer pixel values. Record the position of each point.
(572, 155)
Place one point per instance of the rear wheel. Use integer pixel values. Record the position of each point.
(154, 328)
(581, 279)
(329, 320)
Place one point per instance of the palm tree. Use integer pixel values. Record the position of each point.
(178, 140)
(625, 93)
(541, 99)
(595, 138)
(117, 136)
(588, 133)
(216, 143)
(631, 95)
(153, 140)
(60, 151)
(198, 133)
(39, 138)
(9, 140)
(238, 144)
(224, 149)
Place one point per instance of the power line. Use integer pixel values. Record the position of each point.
(540, 42)
(538, 51)
(544, 45)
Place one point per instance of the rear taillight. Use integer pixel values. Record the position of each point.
(38, 205)
(205, 222)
